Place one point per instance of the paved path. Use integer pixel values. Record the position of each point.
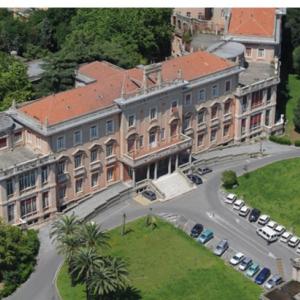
(203, 204)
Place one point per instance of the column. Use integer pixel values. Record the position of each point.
(155, 170)
(169, 165)
(133, 176)
(176, 162)
(148, 171)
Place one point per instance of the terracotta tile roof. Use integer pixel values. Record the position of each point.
(108, 87)
(252, 21)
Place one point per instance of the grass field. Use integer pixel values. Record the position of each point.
(294, 94)
(165, 263)
(275, 189)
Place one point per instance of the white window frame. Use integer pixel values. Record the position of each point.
(97, 181)
(212, 91)
(226, 126)
(74, 137)
(94, 150)
(110, 171)
(215, 138)
(112, 149)
(81, 186)
(198, 144)
(133, 123)
(264, 52)
(78, 158)
(112, 126)
(250, 52)
(230, 85)
(91, 131)
(190, 99)
(204, 97)
(63, 144)
(150, 113)
(162, 133)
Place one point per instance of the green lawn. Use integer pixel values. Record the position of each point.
(275, 189)
(294, 94)
(168, 264)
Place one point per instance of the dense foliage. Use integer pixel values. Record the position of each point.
(229, 179)
(14, 84)
(284, 140)
(18, 250)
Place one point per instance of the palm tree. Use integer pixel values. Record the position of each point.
(92, 236)
(84, 265)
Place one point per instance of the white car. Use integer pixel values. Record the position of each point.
(230, 198)
(263, 219)
(279, 229)
(285, 237)
(238, 204)
(237, 258)
(272, 224)
(294, 241)
(244, 211)
(298, 249)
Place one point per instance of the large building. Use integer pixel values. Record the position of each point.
(127, 125)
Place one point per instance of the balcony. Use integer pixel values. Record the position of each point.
(227, 117)
(201, 126)
(109, 160)
(61, 178)
(214, 122)
(80, 171)
(140, 157)
(95, 165)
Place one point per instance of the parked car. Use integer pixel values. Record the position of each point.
(267, 234)
(244, 211)
(203, 171)
(254, 215)
(298, 249)
(236, 258)
(205, 236)
(272, 224)
(285, 237)
(230, 198)
(238, 204)
(263, 219)
(262, 276)
(196, 230)
(253, 269)
(195, 178)
(221, 247)
(149, 195)
(245, 263)
(273, 281)
(294, 241)
(279, 229)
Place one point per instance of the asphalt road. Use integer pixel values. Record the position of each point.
(204, 204)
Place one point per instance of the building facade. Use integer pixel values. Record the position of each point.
(125, 125)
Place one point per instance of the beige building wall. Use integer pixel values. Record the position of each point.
(259, 53)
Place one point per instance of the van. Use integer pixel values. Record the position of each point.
(267, 233)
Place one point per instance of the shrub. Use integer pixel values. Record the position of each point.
(229, 179)
(280, 140)
(297, 143)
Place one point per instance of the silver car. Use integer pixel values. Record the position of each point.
(245, 263)
(221, 247)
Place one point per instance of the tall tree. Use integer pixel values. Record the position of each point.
(296, 60)
(296, 118)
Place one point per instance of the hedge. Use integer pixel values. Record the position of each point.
(280, 140)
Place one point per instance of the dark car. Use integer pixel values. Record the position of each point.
(203, 171)
(254, 215)
(195, 179)
(149, 195)
(196, 230)
(262, 276)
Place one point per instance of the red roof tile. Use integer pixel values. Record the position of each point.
(108, 87)
(252, 21)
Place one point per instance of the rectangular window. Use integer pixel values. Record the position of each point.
(60, 143)
(202, 96)
(3, 143)
(153, 113)
(186, 122)
(188, 14)
(141, 141)
(188, 99)
(93, 132)
(61, 166)
(257, 99)
(226, 130)
(200, 139)
(131, 121)
(248, 52)
(261, 52)
(213, 135)
(110, 174)
(62, 192)
(215, 91)
(44, 174)
(243, 126)
(162, 134)
(78, 185)
(28, 206)
(78, 160)
(267, 118)
(214, 112)
(77, 137)
(227, 85)
(109, 126)
(9, 187)
(18, 137)
(45, 200)
(255, 121)
(227, 108)
(269, 94)
(244, 104)
(109, 150)
(201, 117)
(94, 179)
(94, 155)
(152, 139)
(27, 180)
(10, 212)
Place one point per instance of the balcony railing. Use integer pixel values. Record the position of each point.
(80, 171)
(215, 122)
(227, 117)
(63, 177)
(111, 159)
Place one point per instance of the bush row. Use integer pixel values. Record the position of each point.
(281, 140)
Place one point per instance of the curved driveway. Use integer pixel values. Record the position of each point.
(203, 204)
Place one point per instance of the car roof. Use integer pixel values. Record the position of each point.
(276, 277)
(206, 231)
(231, 195)
(265, 270)
(239, 254)
(246, 259)
(245, 207)
(254, 265)
(294, 238)
(264, 217)
(286, 233)
(222, 242)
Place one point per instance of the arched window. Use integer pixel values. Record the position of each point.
(227, 107)
(131, 141)
(215, 111)
(179, 24)
(201, 118)
(174, 128)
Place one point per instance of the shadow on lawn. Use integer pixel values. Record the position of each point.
(131, 293)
